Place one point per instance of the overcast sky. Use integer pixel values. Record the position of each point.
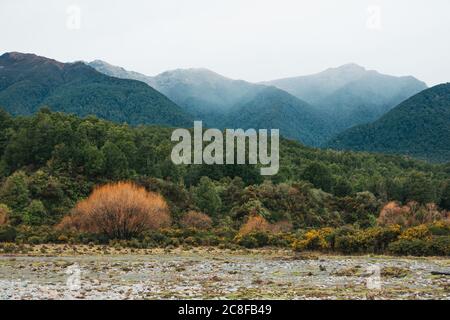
(254, 40)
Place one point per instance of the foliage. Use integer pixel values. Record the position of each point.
(445, 197)
(437, 246)
(34, 81)
(35, 213)
(420, 232)
(196, 220)
(49, 162)
(120, 210)
(314, 240)
(411, 214)
(319, 175)
(5, 213)
(417, 127)
(254, 223)
(7, 234)
(206, 197)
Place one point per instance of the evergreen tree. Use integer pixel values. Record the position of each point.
(116, 163)
(319, 175)
(14, 193)
(35, 214)
(420, 188)
(342, 188)
(445, 198)
(207, 198)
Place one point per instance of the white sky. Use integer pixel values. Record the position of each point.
(254, 40)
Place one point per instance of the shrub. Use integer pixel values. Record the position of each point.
(4, 214)
(122, 211)
(440, 228)
(196, 220)
(281, 227)
(314, 240)
(411, 214)
(437, 246)
(7, 234)
(420, 232)
(254, 223)
(255, 239)
(35, 213)
(373, 240)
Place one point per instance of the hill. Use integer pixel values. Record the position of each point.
(226, 103)
(350, 94)
(419, 127)
(273, 108)
(28, 82)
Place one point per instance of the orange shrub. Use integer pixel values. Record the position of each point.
(4, 214)
(196, 220)
(121, 210)
(281, 227)
(254, 223)
(411, 214)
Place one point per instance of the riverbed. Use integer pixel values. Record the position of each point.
(220, 274)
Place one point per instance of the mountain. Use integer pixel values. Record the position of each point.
(419, 127)
(226, 103)
(309, 108)
(350, 94)
(273, 108)
(28, 82)
(207, 95)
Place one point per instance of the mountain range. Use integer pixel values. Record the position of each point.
(28, 82)
(348, 107)
(332, 100)
(222, 102)
(350, 94)
(419, 127)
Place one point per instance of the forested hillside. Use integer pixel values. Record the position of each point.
(28, 82)
(51, 162)
(222, 103)
(419, 127)
(351, 94)
(55, 159)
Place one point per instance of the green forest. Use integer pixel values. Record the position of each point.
(53, 166)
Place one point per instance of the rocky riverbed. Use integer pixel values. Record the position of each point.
(99, 273)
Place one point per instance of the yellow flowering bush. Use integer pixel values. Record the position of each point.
(420, 232)
(314, 240)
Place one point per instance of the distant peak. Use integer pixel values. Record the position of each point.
(100, 63)
(29, 57)
(191, 71)
(350, 67)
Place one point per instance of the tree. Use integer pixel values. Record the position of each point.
(445, 198)
(119, 211)
(14, 192)
(5, 212)
(319, 175)
(35, 214)
(93, 160)
(116, 163)
(419, 187)
(342, 188)
(206, 197)
(5, 124)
